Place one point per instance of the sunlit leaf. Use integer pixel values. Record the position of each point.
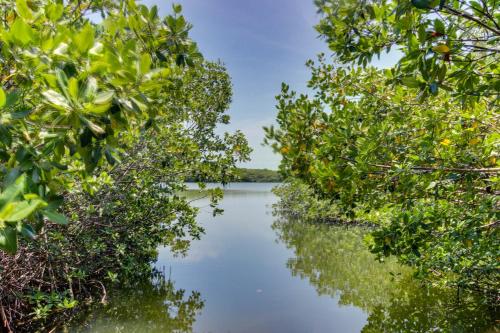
(3, 98)
(56, 99)
(21, 32)
(442, 48)
(84, 40)
(22, 210)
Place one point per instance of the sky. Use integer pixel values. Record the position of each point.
(262, 43)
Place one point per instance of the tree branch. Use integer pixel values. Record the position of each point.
(432, 169)
(471, 18)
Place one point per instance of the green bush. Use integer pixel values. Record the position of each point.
(413, 147)
(101, 124)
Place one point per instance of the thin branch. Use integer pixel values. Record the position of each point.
(432, 169)
(472, 18)
(482, 48)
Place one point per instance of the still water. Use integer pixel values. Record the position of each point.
(255, 272)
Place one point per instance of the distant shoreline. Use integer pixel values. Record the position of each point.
(246, 175)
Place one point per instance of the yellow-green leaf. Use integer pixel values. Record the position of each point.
(23, 209)
(145, 63)
(54, 11)
(97, 108)
(474, 141)
(23, 10)
(73, 88)
(441, 48)
(446, 142)
(3, 98)
(21, 32)
(85, 39)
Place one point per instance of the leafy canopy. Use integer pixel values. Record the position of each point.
(414, 147)
(449, 45)
(76, 94)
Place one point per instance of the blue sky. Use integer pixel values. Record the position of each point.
(263, 43)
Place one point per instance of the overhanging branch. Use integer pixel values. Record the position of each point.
(471, 18)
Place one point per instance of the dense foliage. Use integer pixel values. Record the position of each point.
(447, 45)
(101, 123)
(74, 94)
(243, 175)
(297, 200)
(258, 175)
(413, 147)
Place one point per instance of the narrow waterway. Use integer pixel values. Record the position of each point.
(255, 272)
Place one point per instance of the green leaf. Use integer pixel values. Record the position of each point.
(422, 34)
(62, 81)
(54, 204)
(22, 209)
(13, 191)
(22, 113)
(3, 98)
(442, 72)
(28, 231)
(23, 10)
(55, 217)
(97, 108)
(177, 8)
(96, 129)
(6, 211)
(104, 97)
(59, 165)
(90, 88)
(439, 26)
(56, 99)
(411, 82)
(73, 88)
(85, 39)
(8, 240)
(21, 32)
(54, 11)
(12, 98)
(109, 157)
(145, 63)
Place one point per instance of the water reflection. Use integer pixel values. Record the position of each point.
(152, 306)
(335, 261)
(244, 278)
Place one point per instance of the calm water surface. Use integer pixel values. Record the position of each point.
(254, 272)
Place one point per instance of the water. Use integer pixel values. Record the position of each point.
(253, 272)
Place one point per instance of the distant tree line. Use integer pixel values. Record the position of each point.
(258, 175)
(244, 175)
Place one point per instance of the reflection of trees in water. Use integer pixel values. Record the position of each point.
(337, 263)
(148, 307)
